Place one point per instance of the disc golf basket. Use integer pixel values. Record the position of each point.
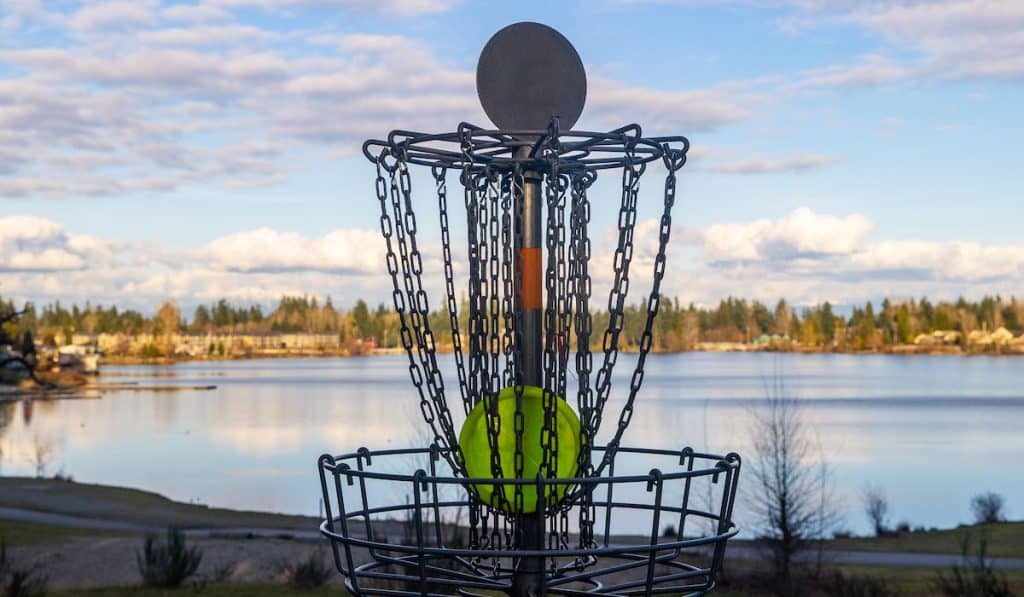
(522, 498)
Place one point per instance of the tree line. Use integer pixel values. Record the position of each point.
(678, 327)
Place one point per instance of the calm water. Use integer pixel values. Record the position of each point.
(932, 431)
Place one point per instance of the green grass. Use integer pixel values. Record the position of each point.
(919, 581)
(31, 533)
(212, 590)
(1004, 539)
(748, 578)
(132, 505)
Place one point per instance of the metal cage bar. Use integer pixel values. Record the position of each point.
(374, 563)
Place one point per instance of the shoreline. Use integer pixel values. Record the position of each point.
(902, 350)
(70, 384)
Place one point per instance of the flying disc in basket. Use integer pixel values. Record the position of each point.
(476, 448)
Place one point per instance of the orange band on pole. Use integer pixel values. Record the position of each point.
(530, 257)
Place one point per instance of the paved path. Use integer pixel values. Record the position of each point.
(740, 549)
(65, 520)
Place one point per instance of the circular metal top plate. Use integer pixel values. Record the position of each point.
(528, 73)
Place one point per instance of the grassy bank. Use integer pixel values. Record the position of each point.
(1004, 540)
(210, 590)
(116, 549)
(144, 508)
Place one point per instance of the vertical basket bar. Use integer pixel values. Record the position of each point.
(685, 458)
(324, 460)
(608, 505)
(656, 483)
(364, 455)
(433, 490)
(343, 522)
(418, 485)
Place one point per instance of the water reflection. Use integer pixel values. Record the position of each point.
(931, 430)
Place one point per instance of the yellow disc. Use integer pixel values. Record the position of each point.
(476, 448)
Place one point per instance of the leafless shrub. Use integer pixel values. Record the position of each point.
(975, 577)
(170, 563)
(791, 491)
(42, 454)
(841, 585)
(988, 507)
(876, 506)
(20, 582)
(307, 573)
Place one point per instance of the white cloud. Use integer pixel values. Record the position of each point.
(803, 256)
(399, 8)
(614, 104)
(948, 40)
(29, 244)
(133, 108)
(800, 234)
(194, 13)
(114, 15)
(953, 260)
(206, 35)
(353, 252)
(769, 164)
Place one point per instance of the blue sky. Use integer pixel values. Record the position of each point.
(842, 150)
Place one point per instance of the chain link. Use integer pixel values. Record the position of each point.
(440, 181)
(580, 287)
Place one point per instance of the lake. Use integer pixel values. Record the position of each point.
(931, 430)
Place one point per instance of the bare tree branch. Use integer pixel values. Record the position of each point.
(791, 487)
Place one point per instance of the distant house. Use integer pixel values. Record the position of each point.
(770, 339)
(1000, 337)
(76, 357)
(938, 338)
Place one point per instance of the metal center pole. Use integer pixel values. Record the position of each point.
(528, 577)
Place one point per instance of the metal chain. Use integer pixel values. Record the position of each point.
(412, 266)
(385, 189)
(479, 378)
(674, 160)
(631, 174)
(552, 352)
(580, 286)
(494, 211)
(440, 182)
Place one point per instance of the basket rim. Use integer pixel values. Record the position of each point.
(474, 147)
(338, 465)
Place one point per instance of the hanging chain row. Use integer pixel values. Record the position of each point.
(398, 227)
(494, 218)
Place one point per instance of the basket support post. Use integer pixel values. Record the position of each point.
(528, 577)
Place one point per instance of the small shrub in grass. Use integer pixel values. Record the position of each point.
(857, 586)
(19, 582)
(308, 573)
(169, 563)
(975, 577)
(988, 507)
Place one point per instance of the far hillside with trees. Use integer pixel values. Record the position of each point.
(992, 324)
